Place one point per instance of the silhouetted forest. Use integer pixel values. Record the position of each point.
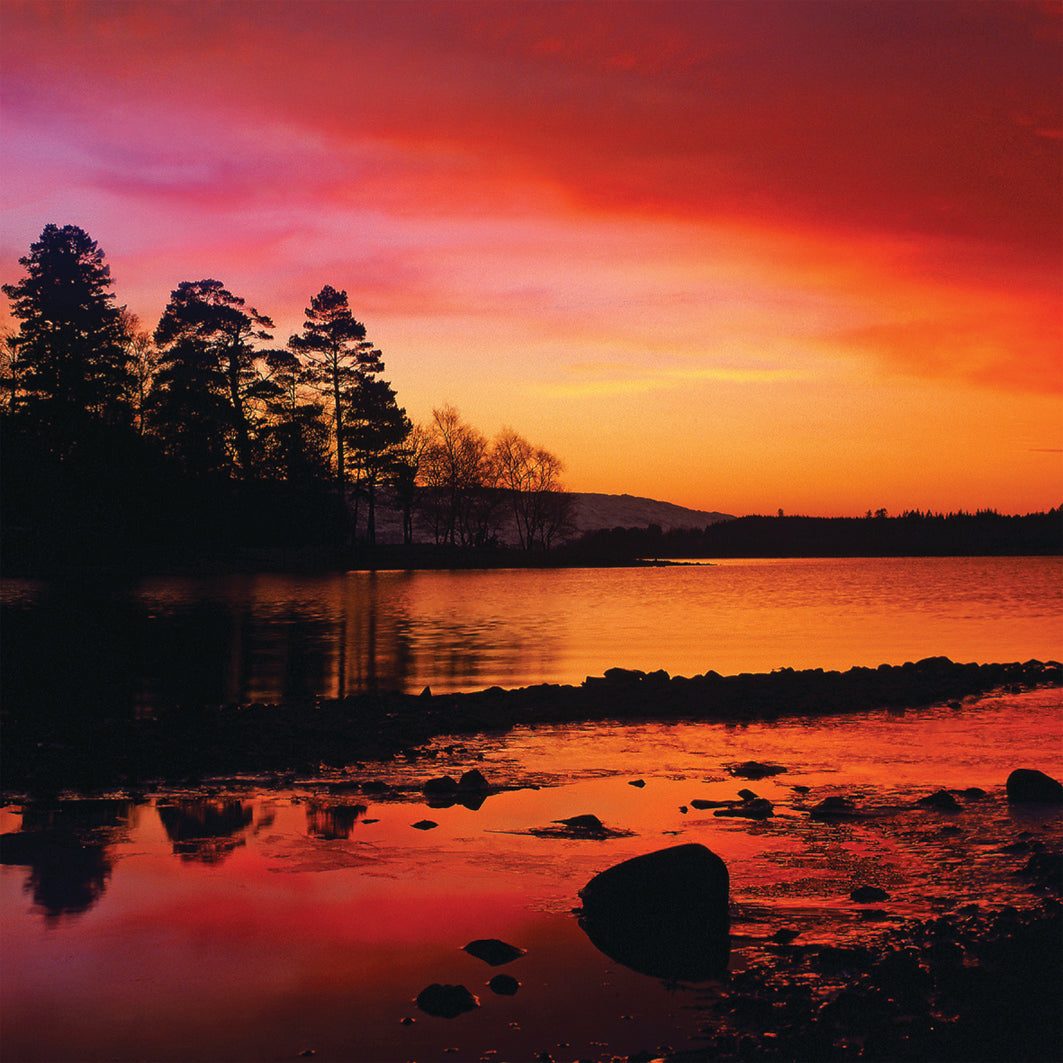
(201, 443)
(913, 534)
(200, 439)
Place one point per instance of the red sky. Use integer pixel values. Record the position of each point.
(734, 255)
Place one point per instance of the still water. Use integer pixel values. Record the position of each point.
(233, 922)
(221, 639)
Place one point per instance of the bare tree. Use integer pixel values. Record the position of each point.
(531, 477)
(458, 474)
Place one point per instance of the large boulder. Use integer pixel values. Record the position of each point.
(1029, 785)
(664, 913)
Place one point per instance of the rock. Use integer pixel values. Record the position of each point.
(834, 808)
(867, 894)
(942, 800)
(492, 951)
(585, 826)
(757, 808)
(664, 914)
(446, 1001)
(637, 782)
(701, 803)
(425, 824)
(504, 985)
(784, 935)
(444, 784)
(1027, 785)
(753, 769)
(974, 793)
(748, 795)
(472, 781)
(427, 692)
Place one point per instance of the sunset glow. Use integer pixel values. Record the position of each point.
(739, 256)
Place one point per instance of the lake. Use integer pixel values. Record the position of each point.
(251, 919)
(222, 639)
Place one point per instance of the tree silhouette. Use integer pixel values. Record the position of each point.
(211, 380)
(376, 427)
(532, 478)
(335, 356)
(69, 356)
(458, 476)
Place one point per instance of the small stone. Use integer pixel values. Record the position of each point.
(443, 784)
(425, 824)
(868, 894)
(504, 985)
(493, 951)
(446, 1001)
(942, 800)
(637, 782)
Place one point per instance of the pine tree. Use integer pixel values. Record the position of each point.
(70, 357)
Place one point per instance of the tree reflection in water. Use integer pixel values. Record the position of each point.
(65, 845)
(205, 831)
(332, 822)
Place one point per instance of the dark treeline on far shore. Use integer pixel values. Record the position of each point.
(201, 445)
(913, 534)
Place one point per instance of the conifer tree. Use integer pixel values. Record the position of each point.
(69, 356)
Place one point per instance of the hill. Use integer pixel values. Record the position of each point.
(591, 512)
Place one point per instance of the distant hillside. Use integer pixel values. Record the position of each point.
(593, 512)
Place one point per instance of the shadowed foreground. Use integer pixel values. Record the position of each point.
(74, 746)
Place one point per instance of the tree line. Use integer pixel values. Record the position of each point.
(203, 428)
(913, 534)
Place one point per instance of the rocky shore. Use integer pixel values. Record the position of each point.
(90, 747)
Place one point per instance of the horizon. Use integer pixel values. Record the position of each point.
(749, 257)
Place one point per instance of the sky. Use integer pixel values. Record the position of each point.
(739, 256)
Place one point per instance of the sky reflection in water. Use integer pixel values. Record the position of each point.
(244, 924)
(272, 637)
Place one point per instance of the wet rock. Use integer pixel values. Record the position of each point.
(637, 782)
(974, 793)
(446, 1001)
(1028, 785)
(748, 795)
(1045, 867)
(754, 769)
(834, 808)
(868, 894)
(701, 804)
(443, 784)
(425, 824)
(757, 808)
(472, 781)
(504, 985)
(585, 826)
(493, 951)
(664, 913)
(941, 800)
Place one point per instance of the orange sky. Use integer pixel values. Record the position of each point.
(733, 255)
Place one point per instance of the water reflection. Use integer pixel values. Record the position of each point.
(205, 831)
(67, 848)
(331, 822)
(123, 646)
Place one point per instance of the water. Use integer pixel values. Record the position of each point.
(234, 921)
(269, 637)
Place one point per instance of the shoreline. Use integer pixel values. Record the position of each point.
(50, 749)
